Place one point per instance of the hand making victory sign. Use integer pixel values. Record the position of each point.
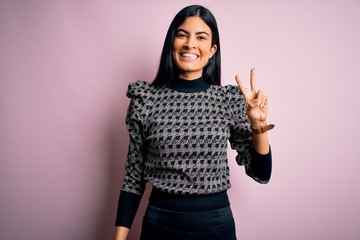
(256, 105)
(256, 101)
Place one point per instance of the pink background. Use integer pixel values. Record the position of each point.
(64, 70)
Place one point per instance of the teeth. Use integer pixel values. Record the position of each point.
(189, 55)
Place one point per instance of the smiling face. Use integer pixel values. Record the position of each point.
(192, 47)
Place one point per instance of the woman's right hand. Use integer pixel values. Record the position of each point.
(121, 233)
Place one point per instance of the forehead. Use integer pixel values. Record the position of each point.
(195, 24)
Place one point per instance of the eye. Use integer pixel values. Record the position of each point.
(202, 37)
(181, 35)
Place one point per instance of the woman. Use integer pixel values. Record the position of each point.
(179, 127)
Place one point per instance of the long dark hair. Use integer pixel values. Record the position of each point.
(168, 71)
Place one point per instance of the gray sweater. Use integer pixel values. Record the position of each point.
(179, 136)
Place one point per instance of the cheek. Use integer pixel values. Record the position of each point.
(174, 55)
(207, 53)
(176, 44)
(175, 49)
(175, 58)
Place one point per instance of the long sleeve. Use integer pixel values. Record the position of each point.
(127, 207)
(260, 166)
(134, 165)
(257, 166)
(134, 183)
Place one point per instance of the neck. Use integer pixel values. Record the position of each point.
(190, 76)
(189, 86)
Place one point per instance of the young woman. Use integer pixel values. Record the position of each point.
(179, 126)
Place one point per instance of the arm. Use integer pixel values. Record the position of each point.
(261, 142)
(257, 111)
(121, 233)
(134, 184)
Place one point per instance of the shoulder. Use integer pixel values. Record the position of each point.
(141, 94)
(232, 90)
(232, 99)
(139, 89)
(229, 92)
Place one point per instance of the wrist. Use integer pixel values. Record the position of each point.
(262, 128)
(258, 124)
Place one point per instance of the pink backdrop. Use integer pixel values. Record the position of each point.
(64, 70)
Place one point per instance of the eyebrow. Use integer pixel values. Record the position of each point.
(197, 33)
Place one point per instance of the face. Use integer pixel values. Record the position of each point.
(192, 47)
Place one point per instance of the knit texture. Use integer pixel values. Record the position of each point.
(178, 140)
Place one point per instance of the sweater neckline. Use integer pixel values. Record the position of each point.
(189, 86)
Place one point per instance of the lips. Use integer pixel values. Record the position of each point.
(189, 56)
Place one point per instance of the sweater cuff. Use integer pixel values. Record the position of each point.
(260, 166)
(127, 207)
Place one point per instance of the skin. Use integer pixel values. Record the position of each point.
(192, 47)
(192, 50)
(257, 111)
(121, 233)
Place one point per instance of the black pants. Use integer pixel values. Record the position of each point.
(161, 224)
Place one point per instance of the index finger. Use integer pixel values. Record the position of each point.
(241, 86)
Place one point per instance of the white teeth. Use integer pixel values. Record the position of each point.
(189, 55)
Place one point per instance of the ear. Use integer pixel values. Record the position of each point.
(213, 50)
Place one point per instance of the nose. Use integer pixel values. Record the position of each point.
(190, 43)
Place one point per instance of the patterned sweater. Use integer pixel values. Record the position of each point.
(178, 140)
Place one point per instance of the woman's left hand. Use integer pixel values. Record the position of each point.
(256, 102)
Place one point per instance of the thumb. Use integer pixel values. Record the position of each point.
(254, 103)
